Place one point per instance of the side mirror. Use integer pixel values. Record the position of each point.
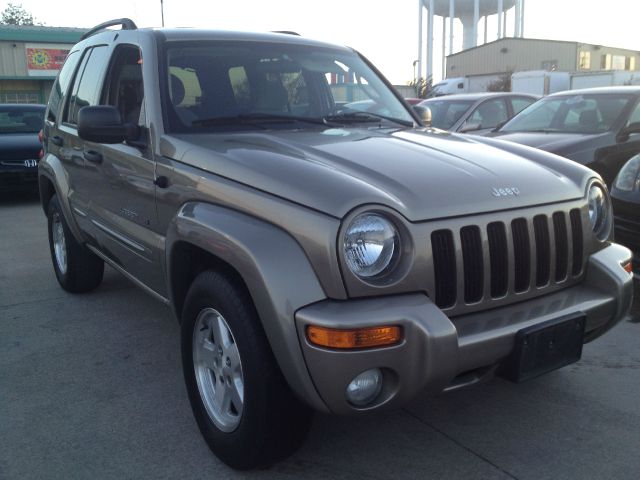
(424, 113)
(624, 134)
(103, 124)
(470, 127)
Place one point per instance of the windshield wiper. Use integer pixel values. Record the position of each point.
(536, 130)
(363, 117)
(256, 119)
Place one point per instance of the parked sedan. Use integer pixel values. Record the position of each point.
(19, 145)
(625, 196)
(597, 127)
(476, 113)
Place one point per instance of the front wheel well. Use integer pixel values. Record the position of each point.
(187, 261)
(47, 190)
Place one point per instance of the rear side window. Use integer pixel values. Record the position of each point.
(489, 114)
(61, 86)
(88, 82)
(20, 120)
(445, 113)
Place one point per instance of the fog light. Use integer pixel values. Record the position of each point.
(364, 388)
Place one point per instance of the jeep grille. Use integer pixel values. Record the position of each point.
(516, 255)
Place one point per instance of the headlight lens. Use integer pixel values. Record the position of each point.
(629, 176)
(370, 243)
(600, 212)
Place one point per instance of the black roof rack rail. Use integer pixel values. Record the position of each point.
(126, 23)
(286, 32)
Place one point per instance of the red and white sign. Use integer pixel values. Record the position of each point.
(45, 60)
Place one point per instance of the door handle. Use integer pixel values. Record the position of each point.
(161, 182)
(57, 141)
(93, 156)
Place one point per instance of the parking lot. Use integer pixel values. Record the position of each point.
(91, 387)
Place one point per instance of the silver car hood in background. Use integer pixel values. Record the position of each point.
(421, 174)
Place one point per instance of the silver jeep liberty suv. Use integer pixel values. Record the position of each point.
(321, 246)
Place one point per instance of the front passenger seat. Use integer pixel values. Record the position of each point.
(185, 115)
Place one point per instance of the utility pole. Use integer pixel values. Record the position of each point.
(162, 11)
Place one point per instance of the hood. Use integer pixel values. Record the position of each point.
(565, 144)
(423, 174)
(19, 146)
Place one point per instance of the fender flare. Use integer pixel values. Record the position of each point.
(259, 252)
(52, 169)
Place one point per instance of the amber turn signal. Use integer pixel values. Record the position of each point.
(354, 338)
(628, 267)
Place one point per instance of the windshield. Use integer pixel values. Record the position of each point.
(19, 120)
(214, 86)
(445, 113)
(589, 113)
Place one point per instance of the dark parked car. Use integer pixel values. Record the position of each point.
(19, 145)
(597, 127)
(625, 195)
(476, 113)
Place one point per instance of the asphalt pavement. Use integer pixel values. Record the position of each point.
(91, 387)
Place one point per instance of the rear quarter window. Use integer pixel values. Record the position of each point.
(61, 85)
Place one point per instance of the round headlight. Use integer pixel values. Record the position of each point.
(370, 242)
(599, 212)
(629, 176)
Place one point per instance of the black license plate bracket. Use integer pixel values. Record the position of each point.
(539, 349)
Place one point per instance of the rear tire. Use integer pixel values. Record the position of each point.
(242, 404)
(77, 269)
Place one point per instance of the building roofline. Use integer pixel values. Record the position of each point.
(539, 40)
(25, 77)
(35, 33)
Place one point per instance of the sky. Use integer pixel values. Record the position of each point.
(386, 32)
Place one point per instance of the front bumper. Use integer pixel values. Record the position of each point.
(15, 175)
(439, 352)
(627, 232)
(626, 213)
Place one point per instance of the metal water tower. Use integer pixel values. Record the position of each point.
(470, 13)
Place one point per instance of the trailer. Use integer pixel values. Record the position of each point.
(540, 82)
(607, 78)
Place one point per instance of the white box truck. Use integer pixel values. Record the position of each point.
(540, 82)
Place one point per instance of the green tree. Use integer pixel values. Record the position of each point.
(15, 14)
(502, 83)
(423, 86)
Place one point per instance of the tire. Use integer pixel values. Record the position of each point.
(242, 404)
(77, 269)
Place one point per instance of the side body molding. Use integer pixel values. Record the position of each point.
(275, 269)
